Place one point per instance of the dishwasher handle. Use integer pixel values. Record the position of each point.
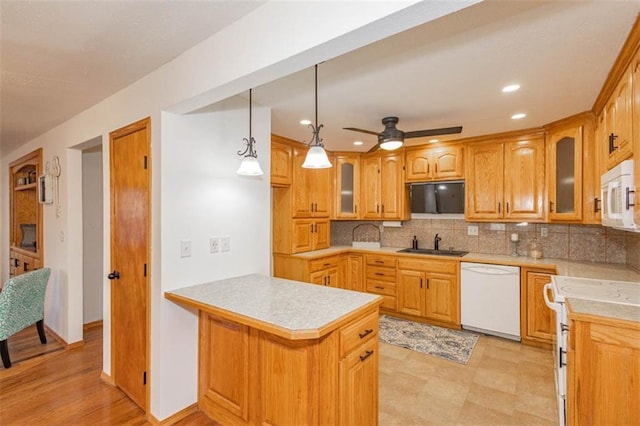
(488, 270)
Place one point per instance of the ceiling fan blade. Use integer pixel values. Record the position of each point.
(433, 132)
(374, 148)
(353, 129)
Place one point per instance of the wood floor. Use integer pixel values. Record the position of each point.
(504, 383)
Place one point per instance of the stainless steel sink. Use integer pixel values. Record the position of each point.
(455, 253)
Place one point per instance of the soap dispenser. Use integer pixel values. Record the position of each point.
(414, 244)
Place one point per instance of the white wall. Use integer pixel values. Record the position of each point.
(273, 41)
(92, 242)
(203, 197)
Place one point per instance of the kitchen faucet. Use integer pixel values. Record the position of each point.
(436, 242)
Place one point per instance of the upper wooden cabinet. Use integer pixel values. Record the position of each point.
(311, 188)
(433, 163)
(281, 154)
(618, 116)
(347, 185)
(25, 232)
(384, 195)
(635, 71)
(564, 154)
(506, 180)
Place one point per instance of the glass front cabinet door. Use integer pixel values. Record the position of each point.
(347, 186)
(565, 174)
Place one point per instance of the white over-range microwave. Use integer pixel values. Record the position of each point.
(618, 197)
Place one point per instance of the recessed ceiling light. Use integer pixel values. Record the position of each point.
(518, 116)
(357, 142)
(434, 140)
(510, 88)
(305, 122)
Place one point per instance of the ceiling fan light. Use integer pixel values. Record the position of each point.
(316, 159)
(391, 144)
(250, 167)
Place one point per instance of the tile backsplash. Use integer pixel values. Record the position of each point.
(589, 243)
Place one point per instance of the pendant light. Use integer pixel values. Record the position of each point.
(316, 157)
(249, 165)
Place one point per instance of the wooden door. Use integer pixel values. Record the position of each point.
(441, 298)
(358, 394)
(411, 292)
(418, 163)
(635, 70)
(280, 163)
(540, 320)
(302, 235)
(447, 162)
(347, 186)
(524, 179)
(392, 186)
(565, 150)
(321, 234)
(371, 187)
(319, 187)
(130, 223)
(622, 124)
(355, 272)
(484, 182)
(300, 186)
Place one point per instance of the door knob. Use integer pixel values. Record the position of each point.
(115, 275)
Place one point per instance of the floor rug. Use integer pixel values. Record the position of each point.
(454, 345)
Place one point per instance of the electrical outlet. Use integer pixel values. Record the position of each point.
(472, 229)
(185, 248)
(214, 245)
(225, 243)
(544, 232)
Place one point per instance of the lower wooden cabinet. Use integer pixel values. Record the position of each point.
(21, 261)
(352, 272)
(380, 278)
(430, 289)
(258, 378)
(603, 371)
(324, 271)
(537, 321)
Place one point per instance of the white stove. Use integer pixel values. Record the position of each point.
(561, 288)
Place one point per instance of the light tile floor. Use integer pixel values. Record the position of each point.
(504, 383)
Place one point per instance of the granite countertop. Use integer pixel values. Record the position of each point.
(609, 271)
(290, 309)
(604, 309)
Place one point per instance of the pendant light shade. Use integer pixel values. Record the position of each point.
(316, 156)
(391, 144)
(249, 165)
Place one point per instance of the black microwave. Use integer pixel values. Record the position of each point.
(437, 197)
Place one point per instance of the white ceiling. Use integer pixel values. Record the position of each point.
(451, 71)
(60, 57)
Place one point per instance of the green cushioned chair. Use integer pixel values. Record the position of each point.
(22, 305)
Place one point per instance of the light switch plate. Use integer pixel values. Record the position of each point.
(214, 244)
(185, 248)
(225, 244)
(472, 229)
(544, 232)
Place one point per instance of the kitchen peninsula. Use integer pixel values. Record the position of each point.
(275, 351)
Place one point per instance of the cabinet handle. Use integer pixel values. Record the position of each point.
(420, 282)
(329, 280)
(628, 202)
(507, 207)
(427, 283)
(15, 262)
(324, 281)
(499, 208)
(366, 355)
(380, 274)
(550, 206)
(377, 208)
(379, 287)
(596, 209)
(612, 145)
(355, 209)
(379, 261)
(26, 266)
(327, 264)
(436, 167)
(383, 208)
(367, 332)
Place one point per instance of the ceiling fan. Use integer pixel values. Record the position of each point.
(392, 138)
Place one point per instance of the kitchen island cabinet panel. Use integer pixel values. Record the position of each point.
(277, 352)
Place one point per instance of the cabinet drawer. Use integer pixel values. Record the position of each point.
(379, 260)
(441, 267)
(324, 263)
(381, 287)
(384, 274)
(389, 302)
(358, 332)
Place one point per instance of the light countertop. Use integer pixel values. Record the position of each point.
(290, 309)
(604, 309)
(609, 271)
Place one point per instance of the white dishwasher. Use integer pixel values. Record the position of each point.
(490, 299)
